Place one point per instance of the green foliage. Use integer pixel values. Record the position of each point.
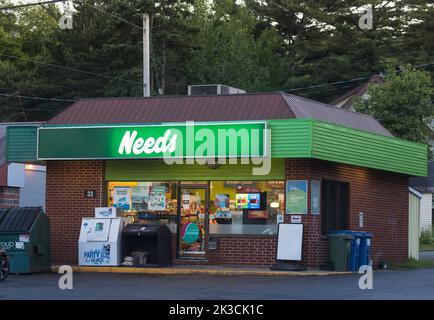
(257, 45)
(403, 104)
(426, 237)
(413, 264)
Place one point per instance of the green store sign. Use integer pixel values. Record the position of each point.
(186, 140)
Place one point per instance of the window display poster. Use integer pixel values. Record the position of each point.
(122, 198)
(186, 201)
(296, 197)
(222, 201)
(248, 200)
(157, 198)
(315, 194)
(223, 215)
(257, 214)
(139, 198)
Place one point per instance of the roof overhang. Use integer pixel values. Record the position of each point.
(286, 138)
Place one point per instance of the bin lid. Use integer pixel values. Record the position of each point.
(18, 219)
(357, 234)
(365, 234)
(341, 236)
(142, 229)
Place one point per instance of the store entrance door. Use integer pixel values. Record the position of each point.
(193, 220)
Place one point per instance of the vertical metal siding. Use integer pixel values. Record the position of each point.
(21, 143)
(345, 145)
(154, 170)
(413, 226)
(426, 212)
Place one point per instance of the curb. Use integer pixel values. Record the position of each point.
(193, 271)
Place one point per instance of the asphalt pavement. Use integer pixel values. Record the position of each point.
(409, 284)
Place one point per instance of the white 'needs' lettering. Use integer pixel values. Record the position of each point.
(137, 145)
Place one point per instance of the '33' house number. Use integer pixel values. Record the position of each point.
(90, 193)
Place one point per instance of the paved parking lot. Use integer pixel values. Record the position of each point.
(413, 284)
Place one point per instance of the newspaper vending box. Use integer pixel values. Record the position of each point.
(100, 242)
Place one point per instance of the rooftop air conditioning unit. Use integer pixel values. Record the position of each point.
(211, 89)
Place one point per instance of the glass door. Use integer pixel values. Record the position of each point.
(193, 215)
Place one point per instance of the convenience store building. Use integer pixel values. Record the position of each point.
(308, 162)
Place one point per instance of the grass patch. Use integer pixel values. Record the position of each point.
(413, 264)
(426, 247)
(426, 240)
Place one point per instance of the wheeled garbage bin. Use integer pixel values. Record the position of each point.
(339, 250)
(25, 234)
(353, 262)
(365, 249)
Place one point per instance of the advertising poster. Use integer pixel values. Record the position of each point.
(140, 198)
(157, 198)
(122, 198)
(222, 201)
(315, 196)
(296, 197)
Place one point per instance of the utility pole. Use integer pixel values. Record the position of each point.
(146, 55)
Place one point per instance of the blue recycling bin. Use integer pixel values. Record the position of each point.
(365, 248)
(353, 262)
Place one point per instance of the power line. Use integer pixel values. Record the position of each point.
(8, 95)
(113, 16)
(71, 69)
(129, 7)
(329, 84)
(31, 4)
(350, 80)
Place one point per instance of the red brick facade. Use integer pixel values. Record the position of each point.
(382, 196)
(66, 203)
(9, 197)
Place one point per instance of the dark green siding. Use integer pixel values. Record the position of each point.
(21, 143)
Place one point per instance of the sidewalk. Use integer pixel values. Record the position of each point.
(204, 270)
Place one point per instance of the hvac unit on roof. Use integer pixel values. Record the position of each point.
(212, 89)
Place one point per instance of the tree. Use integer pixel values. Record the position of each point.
(229, 50)
(403, 104)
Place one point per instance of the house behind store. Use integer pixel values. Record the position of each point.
(21, 184)
(362, 170)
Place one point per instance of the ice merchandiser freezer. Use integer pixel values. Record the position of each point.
(100, 242)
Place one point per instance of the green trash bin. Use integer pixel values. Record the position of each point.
(25, 234)
(339, 250)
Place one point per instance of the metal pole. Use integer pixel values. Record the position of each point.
(146, 64)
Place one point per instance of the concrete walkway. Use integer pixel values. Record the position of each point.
(203, 270)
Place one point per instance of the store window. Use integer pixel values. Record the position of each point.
(246, 207)
(334, 213)
(146, 202)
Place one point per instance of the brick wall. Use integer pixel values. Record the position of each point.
(66, 204)
(238, 250)
(382, 196)
(9, 197)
